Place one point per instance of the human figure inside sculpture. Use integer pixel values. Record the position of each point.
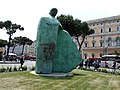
(53, 12)
(55, 50)
(46, 42)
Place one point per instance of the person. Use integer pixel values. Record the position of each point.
(114, 66)
(96, 65)
(106, 65)
(55, 50)
(81, 64)
(21, 61)
(86, 63)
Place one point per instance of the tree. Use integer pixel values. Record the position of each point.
(24, 41)
(67, 23)
(10, 30)
(14, 43)
(75, 28)
(3, 43)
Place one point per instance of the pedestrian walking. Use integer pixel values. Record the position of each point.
(21, 61)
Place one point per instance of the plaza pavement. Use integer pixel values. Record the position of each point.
(27, 63)
(31, 64)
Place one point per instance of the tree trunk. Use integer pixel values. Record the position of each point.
(80, 45)
(8, 47)
(8, 44)
(13, 48)
(78, 42)
(23, 49)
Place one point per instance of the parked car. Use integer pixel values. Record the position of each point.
(10, 57)
(30, 57)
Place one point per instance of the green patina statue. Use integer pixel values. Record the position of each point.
(55, 50)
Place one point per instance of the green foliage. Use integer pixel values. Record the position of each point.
(82, 80)
(15, 68)
(24, 68)
(3, 43)
(104, 70)
(75, 27)
(2, 70)
(10, 30)
(23, 41)
(33, 68)
(67, 23)
(10, 69)
(1, 24)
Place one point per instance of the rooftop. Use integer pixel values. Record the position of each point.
(104, 19)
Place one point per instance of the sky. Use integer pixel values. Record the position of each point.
(27, 13)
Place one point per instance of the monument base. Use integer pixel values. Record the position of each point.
(54, 74)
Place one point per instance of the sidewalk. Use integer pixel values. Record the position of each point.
(9, 62)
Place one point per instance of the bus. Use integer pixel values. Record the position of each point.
(108, 61)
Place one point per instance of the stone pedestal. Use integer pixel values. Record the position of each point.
(54, 74)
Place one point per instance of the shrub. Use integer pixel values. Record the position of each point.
(33, 68)
(104, 70)
(24, 68)
(99, 70)
(10, 69)
(7, 69)
(2, 70)
(15, 68)
(19, 68)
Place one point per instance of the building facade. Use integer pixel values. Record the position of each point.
(105, 40)
(29, 50)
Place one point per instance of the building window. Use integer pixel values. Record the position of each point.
(93, 44)
(101, 36)
(110, 29)
(85, 56)
(101, 23)
(118, 28)
(109, 41)
(101, 44)
(101, 30)
(118, 41)
(93, 55)
(100, 54)
(93, 37)
(86, 44)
